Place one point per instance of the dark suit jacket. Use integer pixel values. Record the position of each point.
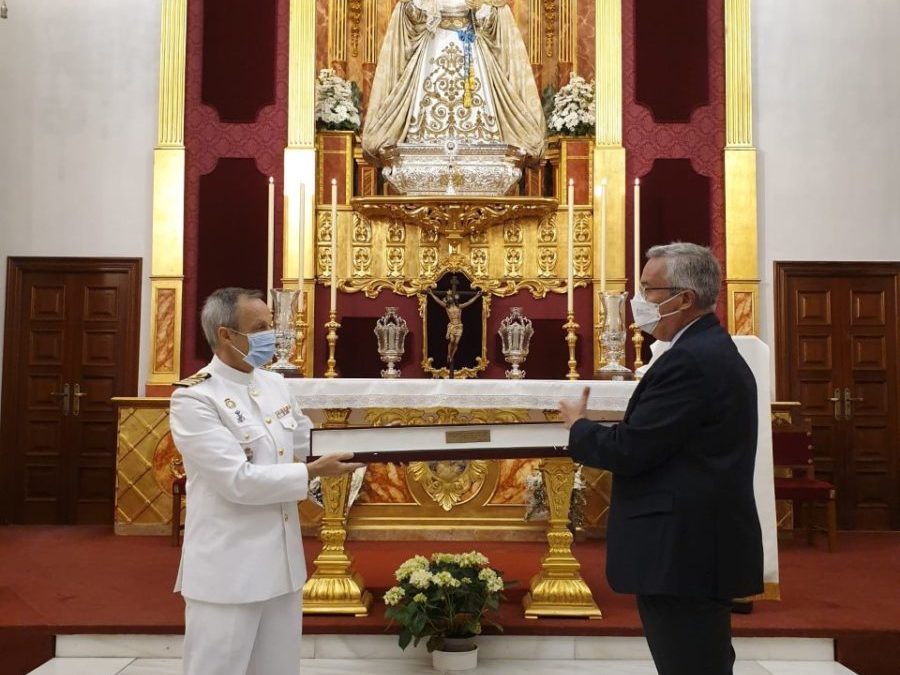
(682, 517)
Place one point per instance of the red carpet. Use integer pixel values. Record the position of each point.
(73, 580)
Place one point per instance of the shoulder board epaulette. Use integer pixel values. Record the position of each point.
(191, 380)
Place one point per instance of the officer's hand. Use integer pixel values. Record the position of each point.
(572, 411)
(332, 465)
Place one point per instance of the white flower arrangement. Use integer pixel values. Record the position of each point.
(449, 596)
(537, 507)
(573, 108)
(337, 102)
(314, 493)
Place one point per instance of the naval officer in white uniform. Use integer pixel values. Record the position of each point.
(242, 565)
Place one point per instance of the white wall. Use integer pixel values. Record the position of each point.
(827, 99)
(78, 101)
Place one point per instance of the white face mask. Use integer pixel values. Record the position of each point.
(646, 313)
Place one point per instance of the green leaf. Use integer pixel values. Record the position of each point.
(405, 637)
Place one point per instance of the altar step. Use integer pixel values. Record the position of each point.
(498, 655)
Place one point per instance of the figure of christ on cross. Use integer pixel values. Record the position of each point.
(454, 309)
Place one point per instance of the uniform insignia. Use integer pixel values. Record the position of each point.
(249, 453)
(240, 416)
(283, 411)
(191, 380)
(229, 403)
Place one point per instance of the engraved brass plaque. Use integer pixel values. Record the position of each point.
(468, 436)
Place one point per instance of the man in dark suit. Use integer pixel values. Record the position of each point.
(683, 531)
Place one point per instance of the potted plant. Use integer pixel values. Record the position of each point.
(573, 109)
(446, 600)
(337, 102)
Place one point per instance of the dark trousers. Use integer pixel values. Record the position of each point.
(688, 636)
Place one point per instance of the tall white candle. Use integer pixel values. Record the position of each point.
(571, 261)
(637, 234)
(270, 245)
(602, 252)
(300, 261)
(334, 229)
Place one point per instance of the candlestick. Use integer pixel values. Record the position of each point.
(300, 214)
(570, 263)
(571, 339)
(637, 235)
(331, 338)
(334, 245)
(603, 235)
(270, 245)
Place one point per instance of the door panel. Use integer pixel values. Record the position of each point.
(836, 334)
(77, 322)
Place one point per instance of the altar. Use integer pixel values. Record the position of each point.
(471, 500)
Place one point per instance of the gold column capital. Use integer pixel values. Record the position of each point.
(172, 58)
(608, 73)
(738, 79)
(302, 75)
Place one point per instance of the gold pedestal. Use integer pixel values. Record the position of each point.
(299, 358)
(335, 587)
(558, 589)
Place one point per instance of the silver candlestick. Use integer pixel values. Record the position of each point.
(515, 335)
(284, 303)
(391, 332)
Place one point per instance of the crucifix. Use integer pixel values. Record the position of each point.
(453, 307)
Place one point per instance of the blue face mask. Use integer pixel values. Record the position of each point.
(262, 347)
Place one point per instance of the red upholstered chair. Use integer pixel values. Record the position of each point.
(792, 449)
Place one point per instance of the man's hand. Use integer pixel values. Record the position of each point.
(333, 465)
(572, 411)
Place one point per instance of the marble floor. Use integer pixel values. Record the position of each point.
(120, 666)
(498, 655)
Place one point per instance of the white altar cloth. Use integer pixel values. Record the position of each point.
(606, 397)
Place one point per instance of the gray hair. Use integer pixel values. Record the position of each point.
(691, 267)
(220, 309)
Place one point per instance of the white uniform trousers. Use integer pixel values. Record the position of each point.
(254, 638)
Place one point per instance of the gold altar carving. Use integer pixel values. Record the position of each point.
(453, 217)
(503, 244)
(449, 483)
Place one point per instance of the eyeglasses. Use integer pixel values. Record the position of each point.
(644, 289)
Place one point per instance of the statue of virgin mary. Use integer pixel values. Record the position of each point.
(453, 69)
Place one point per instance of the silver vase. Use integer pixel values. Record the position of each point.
(612, 337)
(391, 330)
(284, 305)
(515, 336)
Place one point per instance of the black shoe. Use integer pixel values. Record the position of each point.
(741, 607)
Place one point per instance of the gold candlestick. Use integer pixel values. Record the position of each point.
(331, 338)
(598, 335)
(571, 338)
(299, 358)
(638, 340)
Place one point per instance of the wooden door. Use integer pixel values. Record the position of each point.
(837, 353)
(71, 344)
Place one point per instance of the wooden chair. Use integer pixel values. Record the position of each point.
(179, 490)
(792, 449)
